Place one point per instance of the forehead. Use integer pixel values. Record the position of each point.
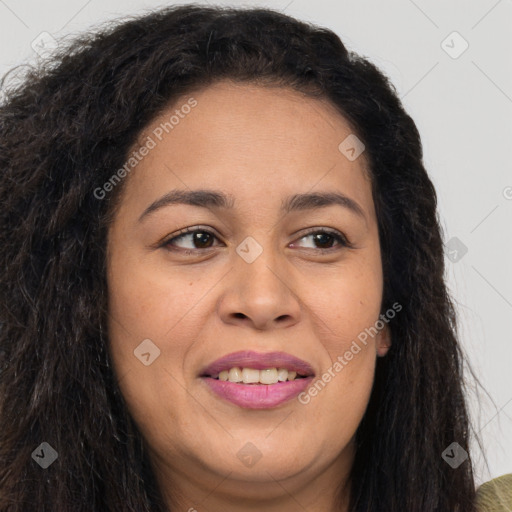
(249, 140)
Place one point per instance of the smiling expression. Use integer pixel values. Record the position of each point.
(281, 254)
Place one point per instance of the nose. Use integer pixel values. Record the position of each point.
(260, 295)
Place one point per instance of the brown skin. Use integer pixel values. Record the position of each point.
(259, 145)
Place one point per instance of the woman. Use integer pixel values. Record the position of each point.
(223, 284)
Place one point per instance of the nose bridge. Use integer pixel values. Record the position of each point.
(259, 291)
(257, 265)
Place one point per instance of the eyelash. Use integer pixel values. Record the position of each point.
(341, 239)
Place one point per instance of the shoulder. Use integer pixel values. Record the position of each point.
(495, 495)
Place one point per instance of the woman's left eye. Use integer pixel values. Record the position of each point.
(326, 238)
(203, 239)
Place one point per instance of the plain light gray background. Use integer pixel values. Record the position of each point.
(461, 101)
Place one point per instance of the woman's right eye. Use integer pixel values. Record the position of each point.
(196, 239)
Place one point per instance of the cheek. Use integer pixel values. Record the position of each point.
(146, 302)
(346, 310)
(339, 396)
(150, 303)
(144, 305)
(346, 304)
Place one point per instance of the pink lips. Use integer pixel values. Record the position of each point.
(258, 396)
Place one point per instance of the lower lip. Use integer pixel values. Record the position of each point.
(257, 396)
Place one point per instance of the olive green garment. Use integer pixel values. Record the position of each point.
(495, 495)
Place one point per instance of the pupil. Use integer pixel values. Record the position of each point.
(320, 235)
(200, 237)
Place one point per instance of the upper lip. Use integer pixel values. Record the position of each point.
(258, 361)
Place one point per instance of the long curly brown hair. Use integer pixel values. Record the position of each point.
(66, 127)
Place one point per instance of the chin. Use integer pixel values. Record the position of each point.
(251, 465)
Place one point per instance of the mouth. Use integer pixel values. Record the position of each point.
(257, 381)
(250, 367)
(253, 376)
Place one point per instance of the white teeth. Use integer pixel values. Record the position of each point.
(268, 376)
(235, 375)
(250, 376)
(282, 374)
(253, 376)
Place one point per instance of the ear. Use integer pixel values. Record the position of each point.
(383, 341)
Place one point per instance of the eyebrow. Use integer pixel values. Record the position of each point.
(217, 199)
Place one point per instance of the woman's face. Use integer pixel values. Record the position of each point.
(253, 277)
